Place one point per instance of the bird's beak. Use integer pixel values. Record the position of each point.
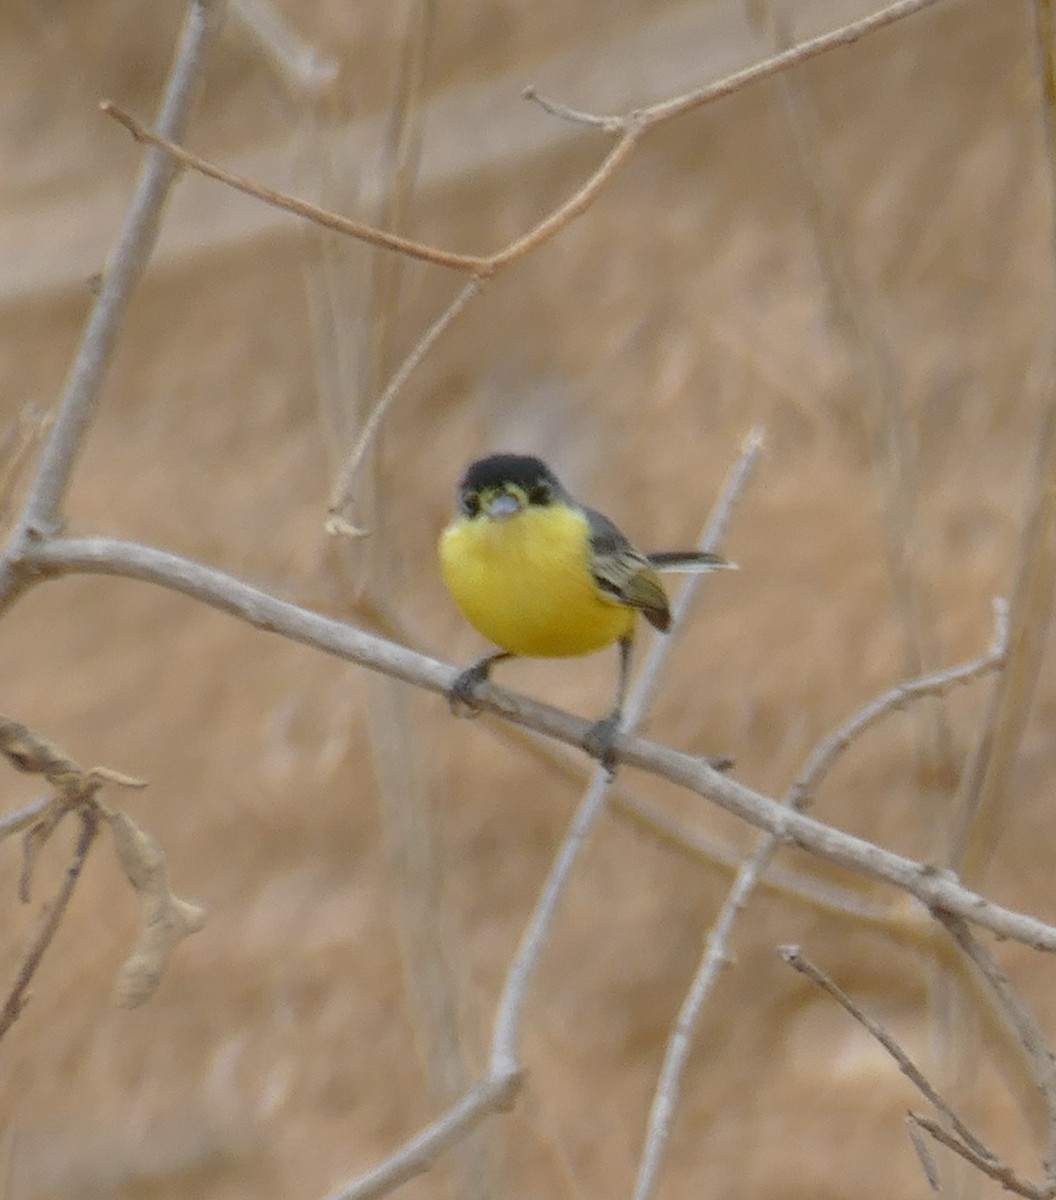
(502, 504)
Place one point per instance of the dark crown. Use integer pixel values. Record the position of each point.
(498, 469)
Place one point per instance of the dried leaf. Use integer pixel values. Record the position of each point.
(29, 752)
(167, 919)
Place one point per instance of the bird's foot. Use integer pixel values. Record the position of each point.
(461, 695)
(598, 741)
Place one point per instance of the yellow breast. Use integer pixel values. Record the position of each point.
(524, 582)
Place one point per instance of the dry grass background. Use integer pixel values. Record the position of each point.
(284, 1051)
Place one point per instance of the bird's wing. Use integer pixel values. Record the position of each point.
(624, 573)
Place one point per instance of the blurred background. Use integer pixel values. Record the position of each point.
(855, 257)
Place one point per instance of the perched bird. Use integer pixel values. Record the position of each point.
(541, 575)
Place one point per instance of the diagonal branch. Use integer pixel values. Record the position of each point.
(933, 887)
(123, 271)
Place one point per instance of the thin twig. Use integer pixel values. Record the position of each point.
(574, 206)
(343, 488)
(301, 208)
(715, 954)
(936, 684)
(666, 110)
(996, 1170)
(846, 35)
(927, 1163)
(931, 886)
(49, 921)
(799, 962)
(1019, 1017)
(131, 251)
(983, 802)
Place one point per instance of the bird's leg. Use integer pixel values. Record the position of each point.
(598, 740)
(461, 695)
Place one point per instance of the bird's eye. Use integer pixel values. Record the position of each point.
(470, 503)
(540, 493)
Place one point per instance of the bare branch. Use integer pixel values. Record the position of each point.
(124, 269)
(939, 683)
(799, 962)
(494, 1094)
(962, 1141)
(715, 954)
(629, 127)
(933, 887)
(575, 116)
(927, 1163)
(995, 1169)
(301, 208)
(846, 35)
(1022, 1022)
(342, 493)
(48, 922)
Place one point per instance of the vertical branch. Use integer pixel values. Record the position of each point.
(127, 262)
(875, 379)
(504, 1055)
(983, 789)
(983, 802)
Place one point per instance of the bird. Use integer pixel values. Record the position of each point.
(542, 575)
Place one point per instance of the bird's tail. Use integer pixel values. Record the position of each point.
(691, 562)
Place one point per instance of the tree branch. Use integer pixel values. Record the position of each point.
(124, 269)
(933, 887)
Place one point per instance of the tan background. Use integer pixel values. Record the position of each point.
(284, 1052)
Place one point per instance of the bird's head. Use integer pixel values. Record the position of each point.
(502, 485)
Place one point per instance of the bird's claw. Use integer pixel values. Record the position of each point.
(598, 741)
(461, 695)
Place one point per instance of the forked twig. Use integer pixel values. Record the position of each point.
(628, 128)
(715, 955)
(1026, 1029)
(998, 1171)
(962, 1141)
(798, 961)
